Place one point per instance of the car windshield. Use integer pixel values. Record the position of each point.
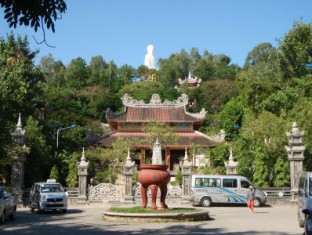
(51, 188)
(310, 186)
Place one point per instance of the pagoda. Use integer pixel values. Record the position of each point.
(192, 82)
(130, 124)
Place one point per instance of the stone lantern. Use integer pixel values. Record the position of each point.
(128, 173)
(187, 177)
(82, 174)
(231, 165)
(17, 175)
(295, 150)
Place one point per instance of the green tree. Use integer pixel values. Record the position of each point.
(162, 131)
(216, 158)
(145, 90)
(37, 166)
(34, 13)
(77, 73)
(72, 177)
(259, 55)
(54, 174)
(98, 68)
(173, 68)
(106, 164)
(231, 117)
(296, 50)
(282, 172)
(20, 86)
(215, 94)
(54, 71)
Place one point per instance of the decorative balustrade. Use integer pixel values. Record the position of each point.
(104, 192)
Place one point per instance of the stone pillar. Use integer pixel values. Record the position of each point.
(17, 175)
(187, 177)
(231, 165)
(128, 173)
(82, 174)
(295, 150)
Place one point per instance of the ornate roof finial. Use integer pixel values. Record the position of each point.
(83, 158)
(128, 156)
(19, 122)
(185, 156)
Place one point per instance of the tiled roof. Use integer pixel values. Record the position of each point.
(146, 114)
(185, 139)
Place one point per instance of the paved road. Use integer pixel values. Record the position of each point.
(277, 220)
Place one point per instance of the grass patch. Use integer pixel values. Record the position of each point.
(149, 210)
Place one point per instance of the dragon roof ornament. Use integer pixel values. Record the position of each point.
(155, 101)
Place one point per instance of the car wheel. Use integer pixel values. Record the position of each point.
(257, 202)
(205, 201)
(12, 217)
(32, 209)
(2, 219)
(39, 209)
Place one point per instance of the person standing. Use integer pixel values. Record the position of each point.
(251, 198)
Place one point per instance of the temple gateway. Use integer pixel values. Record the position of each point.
(131, 122)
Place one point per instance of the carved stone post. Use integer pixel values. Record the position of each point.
(295, 150)
(187, 177)
(128, 172)
(17, 176)
(82, 174)
(231, 165)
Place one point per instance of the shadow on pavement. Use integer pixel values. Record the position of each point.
(57, 223)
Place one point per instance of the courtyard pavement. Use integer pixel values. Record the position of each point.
(226, 220)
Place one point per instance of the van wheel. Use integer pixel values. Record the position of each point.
(12, 217)
(257, 202)
(205, 201)
(39, 209)
(32, 209)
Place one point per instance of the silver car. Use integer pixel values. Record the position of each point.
(50, 195)
(8, 203)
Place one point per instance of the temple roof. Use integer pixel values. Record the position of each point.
(132, 114)
(168, 111)
(185, 139)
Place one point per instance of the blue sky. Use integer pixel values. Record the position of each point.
(120, 30)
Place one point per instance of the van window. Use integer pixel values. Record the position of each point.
(230, 183)
(310, 186)
(207, 182)
(301, 182)
(245, 184)
(303, 187)
(51, 188)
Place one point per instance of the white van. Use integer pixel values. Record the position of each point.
(304, 195)
(208, 189)
(48, 195)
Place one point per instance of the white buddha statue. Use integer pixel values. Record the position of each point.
(150, 61)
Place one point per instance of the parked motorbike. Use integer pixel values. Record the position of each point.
(307, 222)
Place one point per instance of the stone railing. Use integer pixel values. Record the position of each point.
(108, 192)
(276, 196)
(104, 192)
